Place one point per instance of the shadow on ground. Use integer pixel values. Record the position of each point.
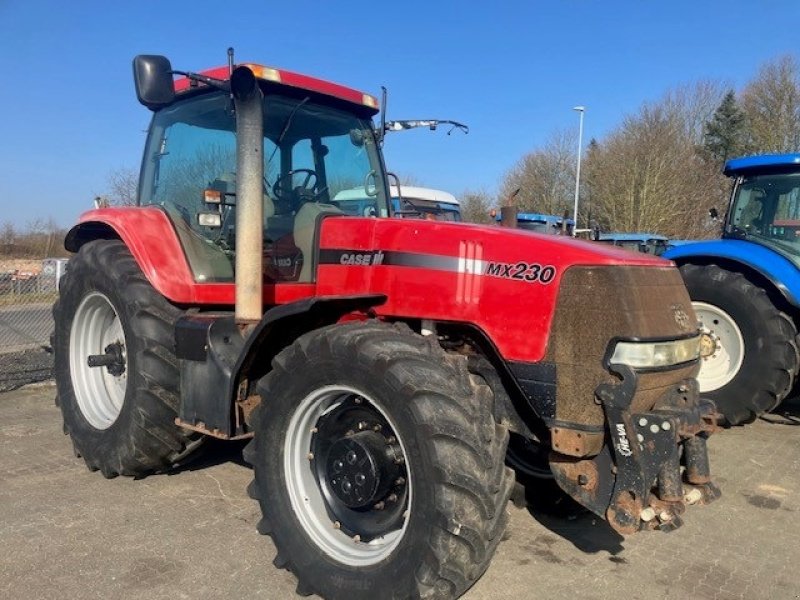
(788, 413)
(559, 513)
(211, 453)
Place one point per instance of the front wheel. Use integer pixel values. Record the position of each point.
(749, 358)
(378, 465)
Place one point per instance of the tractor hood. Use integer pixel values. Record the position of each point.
(504, 281)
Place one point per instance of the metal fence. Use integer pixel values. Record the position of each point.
(27, 295)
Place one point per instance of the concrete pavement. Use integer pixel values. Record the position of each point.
(67, 533)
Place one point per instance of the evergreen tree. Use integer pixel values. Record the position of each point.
(724, 133)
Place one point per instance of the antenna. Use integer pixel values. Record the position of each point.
(230, 62)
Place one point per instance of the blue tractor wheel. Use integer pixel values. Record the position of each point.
(749, 358)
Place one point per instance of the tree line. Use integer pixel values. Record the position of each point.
(39, 238)
(659, 169)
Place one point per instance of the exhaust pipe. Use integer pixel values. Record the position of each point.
(247, 98)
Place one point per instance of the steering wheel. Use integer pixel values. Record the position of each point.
(285, 190)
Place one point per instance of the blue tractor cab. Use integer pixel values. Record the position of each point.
(648, 243)
(745, 289)
(548, 224)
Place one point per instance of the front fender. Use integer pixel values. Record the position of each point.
(779, 271)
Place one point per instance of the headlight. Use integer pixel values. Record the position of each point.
(654, 355)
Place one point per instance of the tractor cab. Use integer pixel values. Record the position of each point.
(316, 143)
(765, 203)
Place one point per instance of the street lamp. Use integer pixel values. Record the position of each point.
(581, 110)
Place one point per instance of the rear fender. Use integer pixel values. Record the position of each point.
(153, 241)
(781, 273)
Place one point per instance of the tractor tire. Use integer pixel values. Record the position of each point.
(749, 359)
(427, 519)
(121, 417)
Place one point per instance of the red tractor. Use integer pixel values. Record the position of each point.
(379, 365)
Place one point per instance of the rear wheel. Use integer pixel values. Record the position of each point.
(378, 465)
(116, 375)
(749, 357)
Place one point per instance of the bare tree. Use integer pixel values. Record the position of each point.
(546, 176)
(476, 206)
(122, 186)
(648, 175)
(771, 102)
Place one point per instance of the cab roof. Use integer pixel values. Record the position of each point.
(761, 163)
(289, 79)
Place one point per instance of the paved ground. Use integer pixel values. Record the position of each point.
(66, 533)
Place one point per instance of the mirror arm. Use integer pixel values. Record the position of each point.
(225, 86)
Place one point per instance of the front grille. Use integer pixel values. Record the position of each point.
(598, 304)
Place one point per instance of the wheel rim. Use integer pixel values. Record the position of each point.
(99, 392)
(528, 457)
(722, 347)
(354, 541)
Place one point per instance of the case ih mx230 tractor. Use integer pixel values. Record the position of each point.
(380, 365)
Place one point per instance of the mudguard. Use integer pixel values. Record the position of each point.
(781, 272)
(216, 359)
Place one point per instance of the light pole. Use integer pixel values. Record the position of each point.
(581, 110)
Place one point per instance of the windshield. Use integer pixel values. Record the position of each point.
(766, 210)
(311, 153)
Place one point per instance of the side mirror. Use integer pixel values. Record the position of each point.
(152, 75)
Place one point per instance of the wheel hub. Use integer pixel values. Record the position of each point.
(361, 468)
(113, 359)
(708, 344)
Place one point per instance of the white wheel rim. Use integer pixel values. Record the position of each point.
(99, 394)
(719, 368)
(304, 492)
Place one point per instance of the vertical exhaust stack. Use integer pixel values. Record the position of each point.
(249, 194)
(508, 212)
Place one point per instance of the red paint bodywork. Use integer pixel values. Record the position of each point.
(291, 79)
(515, 315)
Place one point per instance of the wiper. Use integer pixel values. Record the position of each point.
(286, 125)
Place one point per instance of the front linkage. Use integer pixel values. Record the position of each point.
(641, 485)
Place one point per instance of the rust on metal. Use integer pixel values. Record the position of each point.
(245, 407)
(201, 428)
(582, 473)
(576, 443)
(623, 514)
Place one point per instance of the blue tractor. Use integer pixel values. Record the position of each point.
(648, 243)
(745, 289)
(549, 224)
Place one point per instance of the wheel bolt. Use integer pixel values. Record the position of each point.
(391, 439)
(391, 498)
(399, 460)
(314, 430)
(400, 481)
(379, 505)
(337, 525)
(310, 456)
(376, 428)
(356, 538)
(357, 400)
(362, 425)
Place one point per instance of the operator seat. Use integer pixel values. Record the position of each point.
(305, 226)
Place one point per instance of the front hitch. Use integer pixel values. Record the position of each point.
(637, 481)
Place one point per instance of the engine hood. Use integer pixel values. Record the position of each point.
(502, 281)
